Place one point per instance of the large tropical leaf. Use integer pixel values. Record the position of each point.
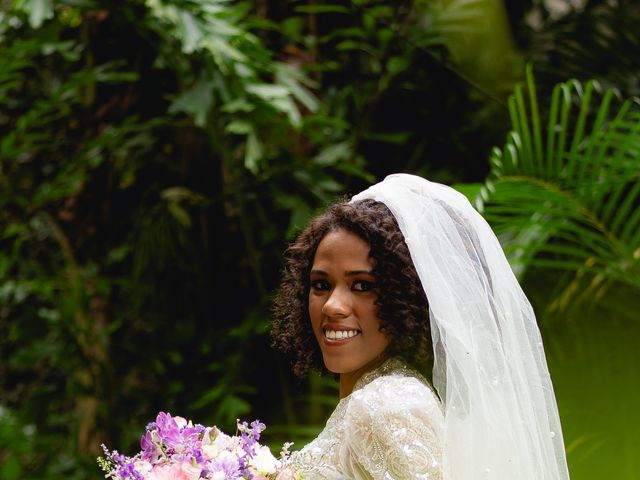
(563, 196)
(564, 190)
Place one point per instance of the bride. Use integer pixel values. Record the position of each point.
(405, 279)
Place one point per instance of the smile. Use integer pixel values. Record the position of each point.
(340, 334)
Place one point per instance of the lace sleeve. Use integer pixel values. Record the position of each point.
(397, 428)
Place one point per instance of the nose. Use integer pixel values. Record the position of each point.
(337, 305)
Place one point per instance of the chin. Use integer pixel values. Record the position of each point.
(334, 365)
(343, 365)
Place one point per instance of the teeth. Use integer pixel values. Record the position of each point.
(340, 334)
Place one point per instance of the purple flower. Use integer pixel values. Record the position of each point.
(190, 435)
(197, 455)
(177, 438)
(256, 429)
(168, 430)
(171, 444)
(128, 471)
(230, 468)
(150, 450)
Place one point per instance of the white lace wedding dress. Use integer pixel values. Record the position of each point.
(389, 427)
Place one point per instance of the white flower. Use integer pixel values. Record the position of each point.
(210, 433)
(223, 441)
(214, 442)
(181, 422)
(227, 455)
(263, 461)
(209, 451)
(143, 467)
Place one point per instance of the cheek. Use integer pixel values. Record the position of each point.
(382, 338)
(370, 321)
(370, 311)
(315, 308)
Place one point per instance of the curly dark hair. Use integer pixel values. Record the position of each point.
(402, 304)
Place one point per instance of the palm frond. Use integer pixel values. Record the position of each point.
(564, 191)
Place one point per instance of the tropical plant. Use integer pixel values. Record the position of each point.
(132, 134)
(563, 196)
(564, 193)
(155, 156)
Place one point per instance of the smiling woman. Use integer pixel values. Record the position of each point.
(353, 301)
(342, 308)
(351, 256)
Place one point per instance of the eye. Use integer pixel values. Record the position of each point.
(320, 285)
(363, 286)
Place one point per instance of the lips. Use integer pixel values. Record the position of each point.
(335, 335)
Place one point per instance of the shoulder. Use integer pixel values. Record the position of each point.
(396, 392)
(395, 406)
(395, 429)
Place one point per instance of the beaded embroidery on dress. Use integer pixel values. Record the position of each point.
(389, 428)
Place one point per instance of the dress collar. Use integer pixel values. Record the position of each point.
(390, 365)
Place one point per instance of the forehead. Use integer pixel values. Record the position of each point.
(342, 246)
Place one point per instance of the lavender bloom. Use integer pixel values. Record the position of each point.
(197, 455)
(230, 469)
(190, 435)
(256, 428)
(173, 446)
(128, 471)
(150, 451)
(168, 430)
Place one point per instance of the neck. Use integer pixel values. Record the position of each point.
(348, 380)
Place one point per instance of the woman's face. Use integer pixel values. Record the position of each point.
(342, 306)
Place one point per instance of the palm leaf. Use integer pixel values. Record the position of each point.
(564, 191)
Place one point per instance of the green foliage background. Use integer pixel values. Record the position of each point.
(156, 157)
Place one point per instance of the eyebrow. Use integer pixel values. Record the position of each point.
(350, 273)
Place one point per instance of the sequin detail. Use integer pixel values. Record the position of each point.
(389, 428)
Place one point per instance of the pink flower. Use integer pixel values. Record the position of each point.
(176, 471)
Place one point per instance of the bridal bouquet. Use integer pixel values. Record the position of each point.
(176, 449)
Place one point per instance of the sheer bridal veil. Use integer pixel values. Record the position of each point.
(501, 418)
